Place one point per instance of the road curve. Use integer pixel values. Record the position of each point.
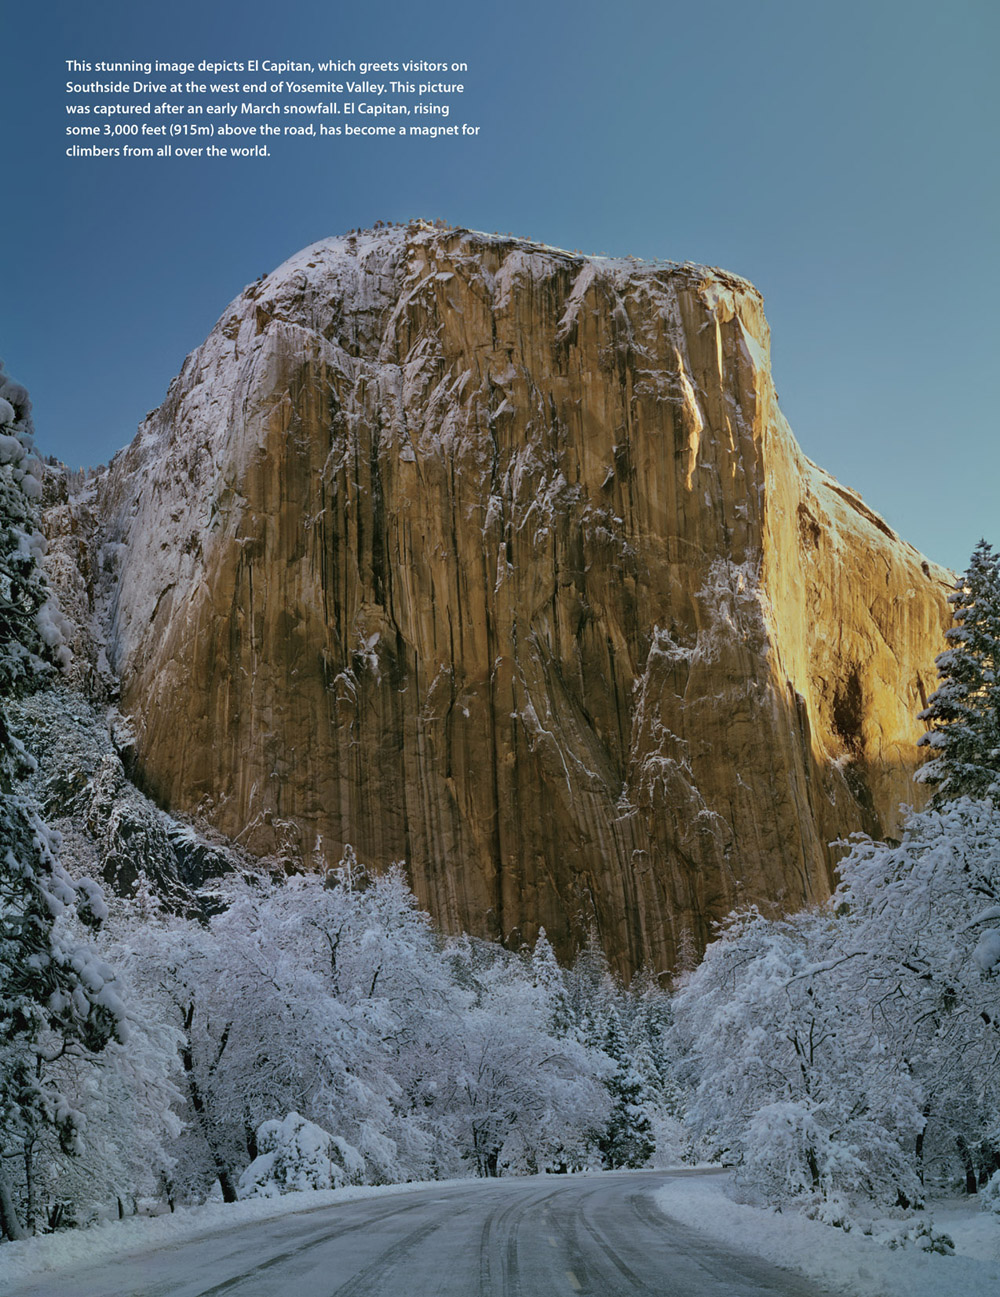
(589, 1235)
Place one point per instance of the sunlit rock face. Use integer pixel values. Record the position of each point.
(503, 561)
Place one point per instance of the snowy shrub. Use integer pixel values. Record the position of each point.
(672, 1141)
(295, 1155)
(989, 1197)
(790, 1155)
(786, 1153)
(920, 1234)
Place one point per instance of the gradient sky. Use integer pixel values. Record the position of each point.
(842, 155)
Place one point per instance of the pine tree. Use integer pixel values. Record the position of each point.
(648, 1038)
(29, 638)
(591, 993)
(964, 712)
(547, 976)
(627, 1138)
(56, 996)
(687, 956)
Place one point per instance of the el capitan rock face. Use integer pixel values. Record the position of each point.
(503, 561)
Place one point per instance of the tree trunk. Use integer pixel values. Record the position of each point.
(227, 1185)
(965, 1153)
(989, 1161)
(223, 1172)
(12, 1227)
(30, 1221)
(919, 1147)
(166, 1190)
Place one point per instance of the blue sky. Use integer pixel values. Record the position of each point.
(840, 155)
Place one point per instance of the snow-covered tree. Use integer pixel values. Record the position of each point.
(550, 981)
(326, 1033)
(923, 926)
(801, 1094)
(964, 711)
(626, 1140)
(184, 971)
(591, 994)
(129, 1100)
(57, 998)
(852, 1052)
(295, 1154)
(652, 1057)
(31, 640)
(331, 1001)
(517, 1097)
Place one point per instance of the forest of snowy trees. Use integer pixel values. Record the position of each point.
(318, 1032)
(210, 1028)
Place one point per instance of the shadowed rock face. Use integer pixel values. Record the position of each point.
(504, 562)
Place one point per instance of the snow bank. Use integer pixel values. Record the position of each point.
(73, 1248)
(851, 1263)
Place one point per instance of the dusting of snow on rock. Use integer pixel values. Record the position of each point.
(419, 507)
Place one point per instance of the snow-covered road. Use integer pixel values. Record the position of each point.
(543, 1237)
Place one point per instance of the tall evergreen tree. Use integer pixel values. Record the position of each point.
(626, 1140)
(29, 639)
(56, 996)
(548, 977)
(964, 712)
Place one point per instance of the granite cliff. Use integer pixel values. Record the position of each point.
(503, 561)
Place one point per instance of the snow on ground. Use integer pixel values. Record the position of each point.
(851, 1263)
(116, 1238)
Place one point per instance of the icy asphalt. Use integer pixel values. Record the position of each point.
(597, 1235)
